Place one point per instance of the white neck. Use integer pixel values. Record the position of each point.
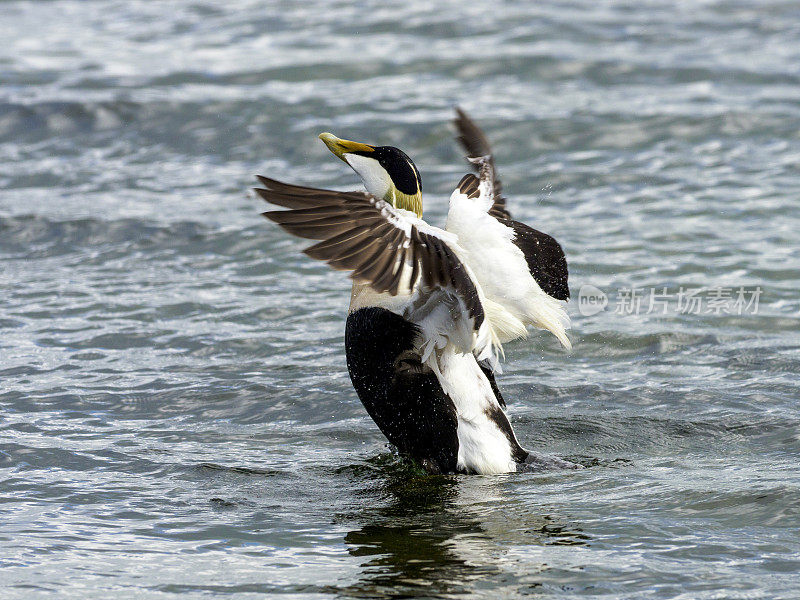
(374, 176)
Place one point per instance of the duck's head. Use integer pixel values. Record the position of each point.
(386, 171)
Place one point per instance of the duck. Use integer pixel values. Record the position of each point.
(430, 308)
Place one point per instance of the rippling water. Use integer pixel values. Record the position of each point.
(176, 414)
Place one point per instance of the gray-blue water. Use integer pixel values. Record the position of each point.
(176, 415)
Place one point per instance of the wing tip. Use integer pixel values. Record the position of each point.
(462, 115)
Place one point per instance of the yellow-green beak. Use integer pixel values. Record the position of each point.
(341, 147)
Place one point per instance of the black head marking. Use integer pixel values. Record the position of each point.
(400, 167)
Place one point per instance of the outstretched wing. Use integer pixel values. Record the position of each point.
(388, 248)
(545, 257)
(479, 153)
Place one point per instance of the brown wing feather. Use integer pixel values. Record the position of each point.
(362, 234)
(545, 257)
(476, 145)
(348, 239)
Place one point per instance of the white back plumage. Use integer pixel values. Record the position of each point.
(515, 300)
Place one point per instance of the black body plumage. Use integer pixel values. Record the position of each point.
(404, 399)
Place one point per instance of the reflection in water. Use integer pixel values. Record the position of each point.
(407, 542)
(436, 536)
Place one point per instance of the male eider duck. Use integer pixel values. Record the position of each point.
(431, 308)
